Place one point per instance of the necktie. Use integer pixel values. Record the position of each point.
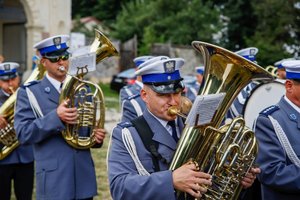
(174, 132)
(60, 87)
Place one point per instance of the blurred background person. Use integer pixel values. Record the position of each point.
(133, 106)
(192, 89)
(17, 168)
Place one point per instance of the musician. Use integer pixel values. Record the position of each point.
(16, 167)
(134, 172)
(133, 106)
(135, 88)
(277, 131)
(281, 74)
(236, 108)
(62, 172)
(193, 89)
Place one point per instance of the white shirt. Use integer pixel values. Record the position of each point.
(164, 123)
(54, 82)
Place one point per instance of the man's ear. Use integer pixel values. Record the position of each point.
(143, 93)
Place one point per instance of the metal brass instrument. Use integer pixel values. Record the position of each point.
(8, 139)
(87, 97)
(226, 153)
(272, 70)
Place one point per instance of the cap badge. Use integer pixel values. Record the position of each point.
(169, 66)
(57, 42)
(252, 52)
(6, 67)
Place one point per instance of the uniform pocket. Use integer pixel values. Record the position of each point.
(45, 177)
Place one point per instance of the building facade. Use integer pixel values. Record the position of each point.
(25, 22)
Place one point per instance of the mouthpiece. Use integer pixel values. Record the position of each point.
(62, 68)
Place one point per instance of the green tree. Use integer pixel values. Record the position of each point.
(163, 21)
(277, 32)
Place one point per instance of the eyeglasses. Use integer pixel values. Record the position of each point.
(55, 59)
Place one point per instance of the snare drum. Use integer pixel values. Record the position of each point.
(261, 97)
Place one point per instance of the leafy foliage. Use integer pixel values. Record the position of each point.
(270, 25)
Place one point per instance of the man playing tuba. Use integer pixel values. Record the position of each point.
(62, 172)
(141, 150)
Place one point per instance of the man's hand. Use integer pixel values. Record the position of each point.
(67, 115)
(3, 122)
(99, 135)
(187, 179)
(248, 180)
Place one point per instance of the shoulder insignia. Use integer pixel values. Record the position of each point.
(133, 96)
(29, 84)
(125, 124)
(269, 110)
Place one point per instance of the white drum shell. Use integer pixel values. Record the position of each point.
(261, 97)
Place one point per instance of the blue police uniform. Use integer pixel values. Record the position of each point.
(18, 165)
(130, 90)
(280, 173)
(62, 172)
(132, 108)
(279, 177)
(126, 180)
(23, 153)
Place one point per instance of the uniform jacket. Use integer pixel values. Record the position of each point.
(132, 107)
(62, 172)
(125, 182)
(279, 177)
(23, 153)
(129, 90)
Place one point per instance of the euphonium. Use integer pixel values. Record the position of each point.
(87, 97)
(227, 153)
(8, 139)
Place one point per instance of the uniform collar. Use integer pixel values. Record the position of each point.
(54, 82)
(292, 104)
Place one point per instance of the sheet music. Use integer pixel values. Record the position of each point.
(204, 108)
(88, 60)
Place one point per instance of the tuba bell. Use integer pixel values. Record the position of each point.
(8, 138)
(227, 153)
(87, 97)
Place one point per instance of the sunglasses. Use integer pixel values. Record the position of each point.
(55, 59)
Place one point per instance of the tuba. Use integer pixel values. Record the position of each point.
(227, 153)
(8, 138)
(87, 97)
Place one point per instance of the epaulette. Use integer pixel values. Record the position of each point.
(133, 96)
(269, 110)
(125, 124)
(29, 84)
